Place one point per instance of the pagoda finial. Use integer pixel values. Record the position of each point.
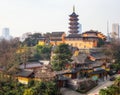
(74, 8)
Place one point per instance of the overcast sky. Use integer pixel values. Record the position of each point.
(53, 15)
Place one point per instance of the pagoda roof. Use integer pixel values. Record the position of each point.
(73, 15)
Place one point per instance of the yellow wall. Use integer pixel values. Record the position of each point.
(103, 67)
(42, 43)
(76, 53)
(21, 50)
(107, 69)
(85, 35)
(67, 75)
(77, 43)
(56, 42)
(23, 80)
(80, 43)
(90, 71)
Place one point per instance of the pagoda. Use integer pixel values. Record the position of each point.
(73, 22)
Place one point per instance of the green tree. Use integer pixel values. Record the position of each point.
(101, 42)
(104, 92)
(11, 88)
(32, 39)
(62, 56)
(30, 91)
(117, 82)
(43, 52)
(24, 55)
(113, 90)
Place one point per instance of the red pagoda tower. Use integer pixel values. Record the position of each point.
(73, 22)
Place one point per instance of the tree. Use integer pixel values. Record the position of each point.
(113, 52)
(30, 91)
(11, 88)
(101, 42)
(104, 92)
(62, 56)
(24, 54)
(113, 89)
(42, 88)
(8, 56)
(32, 39)
(43, 52)
(117, 82)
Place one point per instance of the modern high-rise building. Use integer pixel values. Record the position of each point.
(115, 30)
(6, 34)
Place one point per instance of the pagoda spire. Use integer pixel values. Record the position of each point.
(73, 22)
(74, 8)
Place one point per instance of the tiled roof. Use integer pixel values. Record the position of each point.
(25, 73)
(56, 40)
(80, 58)
(74, 15)
(98, 71)
(91, 31)
(98, 55)
(74, 36)
(31, 65)
(57, 34)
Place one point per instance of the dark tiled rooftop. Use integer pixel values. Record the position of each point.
(74, 36)
(57, 34)
(25, 73)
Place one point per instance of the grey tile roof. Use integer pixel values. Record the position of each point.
(80, 58)
(98, 55)
(56, 34)
(25, 73)
(74, 36)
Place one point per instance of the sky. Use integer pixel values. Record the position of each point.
(22, 16)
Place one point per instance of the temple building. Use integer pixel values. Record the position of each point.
(57, 38)
(85, 40)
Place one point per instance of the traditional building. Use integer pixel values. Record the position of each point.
(77, 40)
(57, 38)
(42, 41)
(24, 76)
(86, 40)
(91, 64)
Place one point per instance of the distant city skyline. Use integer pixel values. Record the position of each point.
(22, 16)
